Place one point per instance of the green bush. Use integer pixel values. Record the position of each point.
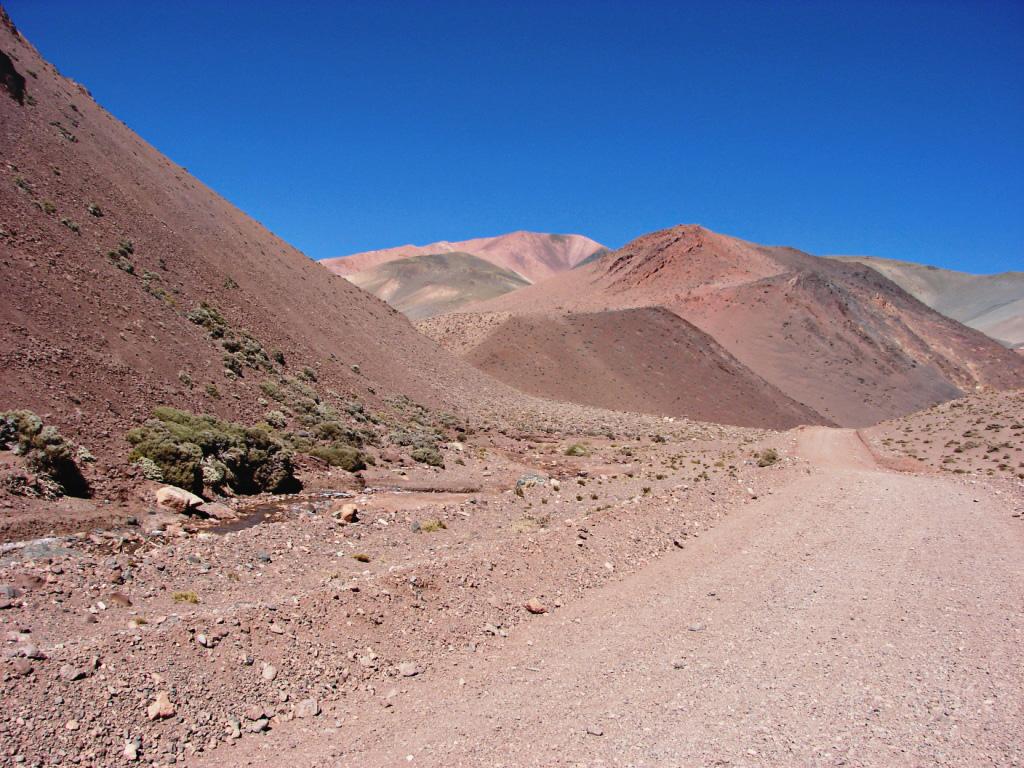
(276, 419)
(577, 449)
(430, 456)
(341, 455)
(45, 450)
(195, 450)
(209, 317)
(767, 457)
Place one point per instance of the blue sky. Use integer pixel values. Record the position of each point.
(889, 128)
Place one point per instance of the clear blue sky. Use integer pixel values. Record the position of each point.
(888, 128)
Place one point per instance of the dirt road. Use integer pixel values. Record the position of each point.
(855, 617)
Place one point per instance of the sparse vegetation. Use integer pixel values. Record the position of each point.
(340, 455)
(196, 451)
(767, 457)
(209, 318)
(430, 456)
(577, 449)
(186, 597)
(45, 450)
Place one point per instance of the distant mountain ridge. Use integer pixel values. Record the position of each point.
(533, 255)
(993, 304)
(423, 286)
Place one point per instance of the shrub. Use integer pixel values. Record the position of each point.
(209, 318)
(767, 457)
(307, 374)
(430, 526)
(333, 431)
(94, 210)
(430, 456)
(72, 225)
(577, 449)
(120, 260)
(276, 419)
(45, 450)
(340, 455)
(191, 451)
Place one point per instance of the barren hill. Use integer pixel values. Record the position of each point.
(533, 255)
(644, 360)
(127, 284)
(424, 286)
(993, 304)
(839, 338)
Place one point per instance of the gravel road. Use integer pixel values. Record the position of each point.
(855, 617)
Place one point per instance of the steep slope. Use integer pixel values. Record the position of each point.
(993, 304)
(424, 286)
(645, 360)
(837, 337)
(534, 255)
(108, 251)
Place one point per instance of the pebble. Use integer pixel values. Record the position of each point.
(533, 605)
(409, 669)
(69, 673)
(161, 707)
(307, 708)
(131, 748)
(268, 672)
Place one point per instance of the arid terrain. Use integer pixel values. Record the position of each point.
(994, 304)
(695, 501)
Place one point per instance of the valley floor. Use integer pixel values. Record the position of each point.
(855, 617)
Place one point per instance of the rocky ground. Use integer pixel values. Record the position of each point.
(173, 637)
(981, 433)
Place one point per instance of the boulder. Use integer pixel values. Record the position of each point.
(176, 499)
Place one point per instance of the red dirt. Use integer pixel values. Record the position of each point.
(647, 360)
(836, 337)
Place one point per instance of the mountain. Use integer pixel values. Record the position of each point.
(993, 304)
(533, 255)
(428, 285)
(837, 337)
(646, 360)
(128, 285)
